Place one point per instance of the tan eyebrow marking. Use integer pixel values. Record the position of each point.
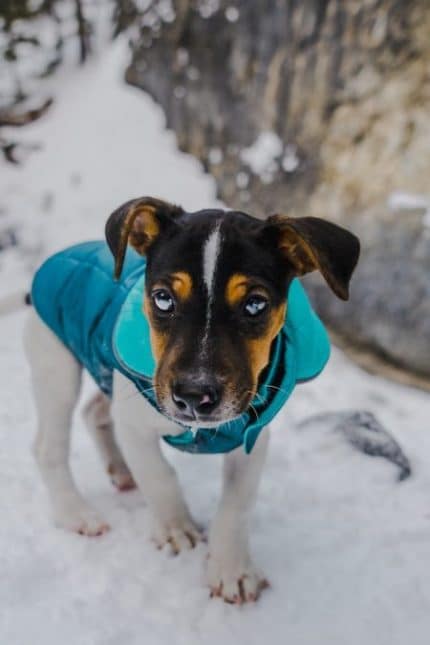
(236, 288)
(182, 285)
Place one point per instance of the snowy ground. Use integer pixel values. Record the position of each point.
(345, 546)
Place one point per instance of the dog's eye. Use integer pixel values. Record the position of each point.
(163, 301)
(255, 305)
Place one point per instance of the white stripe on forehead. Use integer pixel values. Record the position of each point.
(210, 257)
(211, 253)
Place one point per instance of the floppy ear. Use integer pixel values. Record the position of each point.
(310, 243)
(139, 223)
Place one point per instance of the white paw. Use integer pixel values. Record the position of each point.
(235, 583)
(80, 518)
(121, 477)
(181, 535)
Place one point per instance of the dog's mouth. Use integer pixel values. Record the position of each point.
(198, 421)
(226, 411)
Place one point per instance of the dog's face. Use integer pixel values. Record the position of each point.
(216, 284)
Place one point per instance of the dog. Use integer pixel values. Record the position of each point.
(203, 315)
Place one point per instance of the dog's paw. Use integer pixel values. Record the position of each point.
(235, 584)
(121, 477)
(82, 519)
(178, 536)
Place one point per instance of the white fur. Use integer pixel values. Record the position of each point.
(55, 400)
(230, 566)
(56, 379)
(211, 253)
(98, 418)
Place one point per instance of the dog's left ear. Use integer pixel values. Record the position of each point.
(310, 244)
(137, 222)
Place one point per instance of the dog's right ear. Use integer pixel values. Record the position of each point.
(137, 222)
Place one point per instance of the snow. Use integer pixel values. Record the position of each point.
(267, 153)
(232, 14)
(402, 201)
(100, 148)
(290, 160)
(208, 7)
(345, 546)
(215, 156)
(263, 155)
(55, 33)
(242, 179)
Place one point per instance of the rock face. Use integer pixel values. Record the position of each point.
(316, 107)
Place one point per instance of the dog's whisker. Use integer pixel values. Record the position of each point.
(255, 411)
(130, 396)
(155, 390)
(260, 397)
(257, 394)
(275, 387)
(217, 429)
(130, 389)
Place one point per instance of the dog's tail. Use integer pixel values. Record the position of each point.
(14, 302)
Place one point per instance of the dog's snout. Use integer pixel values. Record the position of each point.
(196, 399)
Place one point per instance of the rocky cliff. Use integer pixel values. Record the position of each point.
(315, 107)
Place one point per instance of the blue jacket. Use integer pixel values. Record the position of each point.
(101, 322)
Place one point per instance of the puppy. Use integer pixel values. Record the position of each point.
(201, 314)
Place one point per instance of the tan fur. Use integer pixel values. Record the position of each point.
(182, 285)
(259, 348)
(236, 288)
(164, 374)
(141, 227)
(299, 251)
(158, 340)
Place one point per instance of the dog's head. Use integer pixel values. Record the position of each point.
(215, 296)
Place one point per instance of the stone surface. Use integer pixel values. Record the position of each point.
(318, 107)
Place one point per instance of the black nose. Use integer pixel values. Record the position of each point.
(192, 397)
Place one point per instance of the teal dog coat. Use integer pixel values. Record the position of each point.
(102, 323)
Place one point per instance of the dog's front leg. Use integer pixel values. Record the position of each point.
(138, 434)
(231, 572)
